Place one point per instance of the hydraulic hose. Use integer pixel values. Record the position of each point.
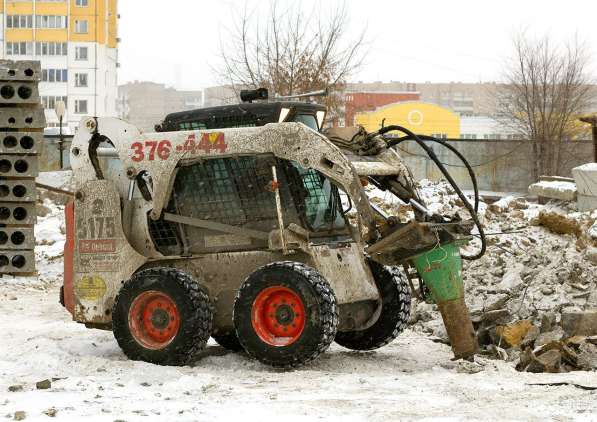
(472, 210)
(471, 173)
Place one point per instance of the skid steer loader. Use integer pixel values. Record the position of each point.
(260, 237)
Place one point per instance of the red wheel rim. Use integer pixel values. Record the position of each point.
(278, 316)
(154, 319)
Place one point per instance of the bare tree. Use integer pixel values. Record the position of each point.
(546, 88)
(291, 52)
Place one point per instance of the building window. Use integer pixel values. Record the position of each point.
(51, 49)
(50, 22)
(81, 26)
(49, 101)
(80, 79)
(80, 106)
(54, 75)
(81, 53)
(19, 21)
(19, 48)
(82, 3)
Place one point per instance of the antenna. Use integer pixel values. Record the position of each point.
(320, 93)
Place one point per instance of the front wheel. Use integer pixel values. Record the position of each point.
(285, 314)
(161, 315)
(395, 311)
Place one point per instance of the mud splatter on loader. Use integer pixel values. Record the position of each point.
(261, 237)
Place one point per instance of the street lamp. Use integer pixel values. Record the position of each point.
(60, 109)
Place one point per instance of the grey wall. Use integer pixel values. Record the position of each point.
(500, 165)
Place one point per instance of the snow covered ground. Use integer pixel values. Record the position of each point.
(412, 378)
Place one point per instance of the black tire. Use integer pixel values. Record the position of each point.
(395, 311)
(228, 341)
(319, 322)
(193, 315)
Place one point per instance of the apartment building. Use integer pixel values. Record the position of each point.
(145, 104)
(76, 42)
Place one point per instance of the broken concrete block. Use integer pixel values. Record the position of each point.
(587, 356)
(513, 334)
(591, 254)
(548, 320)
(43, 385)
(554, 189)
(549, 361)
(587, 203)
(579, 323)
(20, 415)
(497, 302)
(585, 177)
(548, 337)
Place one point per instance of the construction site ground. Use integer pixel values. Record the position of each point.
(412, 378)
(89, 378)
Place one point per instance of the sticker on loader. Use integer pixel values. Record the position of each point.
(91, 288)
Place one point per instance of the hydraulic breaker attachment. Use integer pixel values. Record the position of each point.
(441, 270)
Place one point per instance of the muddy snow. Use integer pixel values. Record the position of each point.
(529, 271)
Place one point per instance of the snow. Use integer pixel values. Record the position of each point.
(587, 167)
(412, 378)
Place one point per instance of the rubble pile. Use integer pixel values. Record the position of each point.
(539, 273)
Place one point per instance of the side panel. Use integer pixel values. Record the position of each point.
(344, 267)
(103, 258)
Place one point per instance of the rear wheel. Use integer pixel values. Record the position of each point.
(161, 316)
(285, 314)
(395, 311)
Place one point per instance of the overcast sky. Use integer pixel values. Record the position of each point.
(176, 42)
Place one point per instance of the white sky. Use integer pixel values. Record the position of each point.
(176, 41)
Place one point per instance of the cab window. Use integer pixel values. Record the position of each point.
(307, 119)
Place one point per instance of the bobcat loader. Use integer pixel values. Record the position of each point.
(261, 237)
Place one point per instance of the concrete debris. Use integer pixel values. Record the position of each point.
(548, 337)
(579, 323)
(539, 266)
(562, 190)
(20, 415)
(51, 412)
(591, 255)
(43, 385)
(15, 388)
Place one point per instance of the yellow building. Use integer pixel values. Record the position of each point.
(421, 118)
(76, 42)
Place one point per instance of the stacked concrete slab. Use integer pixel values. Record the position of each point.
(21, 132)
(585, 177)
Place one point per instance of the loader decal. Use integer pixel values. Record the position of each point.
(91, 288)
(213, 142)
(209, 142)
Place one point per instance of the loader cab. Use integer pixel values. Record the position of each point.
(245, 115)
(236, 191)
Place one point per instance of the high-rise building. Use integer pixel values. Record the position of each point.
(76, 42)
